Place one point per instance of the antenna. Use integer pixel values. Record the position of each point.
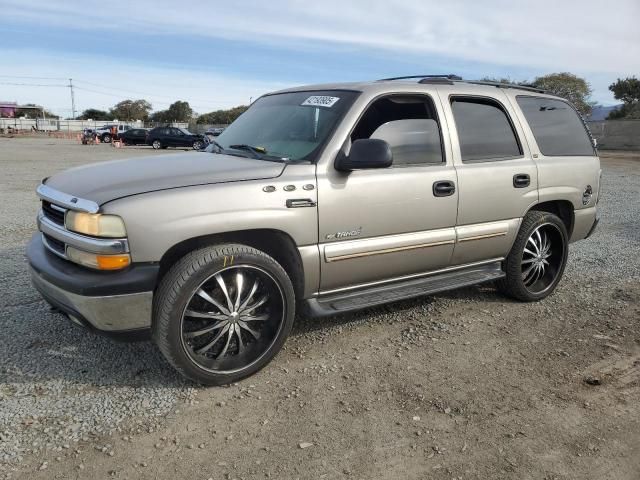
(73, 100)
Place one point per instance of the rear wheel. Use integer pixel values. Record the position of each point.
(537, 259)
(222, 313)
(156, 144)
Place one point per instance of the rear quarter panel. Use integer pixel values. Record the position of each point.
(563, 177)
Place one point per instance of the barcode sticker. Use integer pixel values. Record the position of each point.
(321, 101)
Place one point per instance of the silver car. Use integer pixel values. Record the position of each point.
(319, 200)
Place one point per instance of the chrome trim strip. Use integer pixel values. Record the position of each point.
(407, 277)
(364, 247)
(105, 246)
(477, 231)
(65, 200)
(58, 208)
(480, 237)
(388, 250)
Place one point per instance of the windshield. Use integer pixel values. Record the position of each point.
(291, 126)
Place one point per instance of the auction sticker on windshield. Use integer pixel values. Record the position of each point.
(321, 101)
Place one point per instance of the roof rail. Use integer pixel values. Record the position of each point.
(409, 77)
(530, 88)
(451, 78)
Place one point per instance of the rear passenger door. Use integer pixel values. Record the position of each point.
(497, 178)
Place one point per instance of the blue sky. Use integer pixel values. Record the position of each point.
(220, 54)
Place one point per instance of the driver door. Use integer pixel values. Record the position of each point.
(382, 224)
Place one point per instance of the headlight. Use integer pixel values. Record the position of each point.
(99, 262)
(95, 224)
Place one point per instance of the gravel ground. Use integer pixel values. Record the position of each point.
(465, 384)
(52, 391)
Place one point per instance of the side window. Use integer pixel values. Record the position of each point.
(409, 123)
(484, 130)
(556, 126)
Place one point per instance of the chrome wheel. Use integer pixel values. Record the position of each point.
(197, 145)
(542, 258)
(232, 319)
(156, 144)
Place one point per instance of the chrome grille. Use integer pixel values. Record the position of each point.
(53, 212)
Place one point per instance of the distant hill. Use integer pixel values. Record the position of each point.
(600, 112)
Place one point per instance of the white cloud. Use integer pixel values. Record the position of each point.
(587, 35)
(596, 39)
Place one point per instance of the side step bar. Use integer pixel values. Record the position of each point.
(335, 303)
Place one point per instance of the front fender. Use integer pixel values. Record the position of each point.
(156, 221)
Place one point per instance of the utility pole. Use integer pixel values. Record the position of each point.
(73, 100)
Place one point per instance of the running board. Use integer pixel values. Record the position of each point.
(340, 302)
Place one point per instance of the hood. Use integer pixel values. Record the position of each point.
(106, 181)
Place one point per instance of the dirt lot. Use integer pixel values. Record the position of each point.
(463, 385)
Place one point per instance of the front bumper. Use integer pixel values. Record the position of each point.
(109, 302)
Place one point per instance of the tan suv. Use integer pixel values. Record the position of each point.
(322, 199)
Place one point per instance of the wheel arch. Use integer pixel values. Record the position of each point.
(562, 209)
(274, 243)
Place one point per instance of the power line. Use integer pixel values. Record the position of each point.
(33, 84)
(32, 78)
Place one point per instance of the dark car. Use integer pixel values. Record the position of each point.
(135, 136)
(163, 137)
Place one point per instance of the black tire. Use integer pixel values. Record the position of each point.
(534, 273)
(197, 145)
(106, 138)
(177, 296)
(156, 144)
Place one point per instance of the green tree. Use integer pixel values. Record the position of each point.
(177, 112)
(222, 117)
(569, 86)
(627, 90)
(95, 114)
(506, 80)
(131, 110)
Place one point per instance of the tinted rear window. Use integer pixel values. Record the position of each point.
(484, 130)
(556, 126)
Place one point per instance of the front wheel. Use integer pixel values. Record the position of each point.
(156, 144)
(537, 259)
(197, 145)
(222, 313)
(106, 138)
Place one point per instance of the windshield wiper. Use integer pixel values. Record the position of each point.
(258, 152)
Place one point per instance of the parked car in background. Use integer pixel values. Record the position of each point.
(213, 132)
(163, 137)
(134, 136)
(106, 132)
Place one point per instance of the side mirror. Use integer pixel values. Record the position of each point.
(365, 153)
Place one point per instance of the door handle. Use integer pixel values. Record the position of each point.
(443, 188)
(521, 180)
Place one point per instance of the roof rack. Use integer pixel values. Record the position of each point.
(451, 78)
(507, 85)
(409, 77)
